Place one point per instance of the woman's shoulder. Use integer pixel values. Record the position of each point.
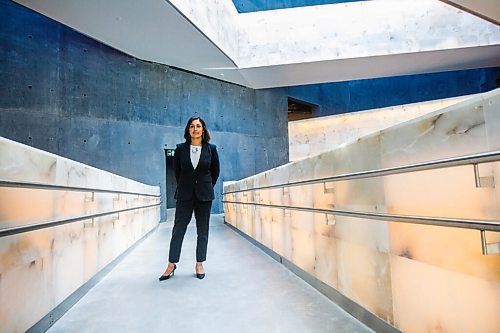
(181, 145)
(212, 146)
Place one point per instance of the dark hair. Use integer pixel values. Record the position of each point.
(206, 134)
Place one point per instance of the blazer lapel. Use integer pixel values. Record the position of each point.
(187, 155)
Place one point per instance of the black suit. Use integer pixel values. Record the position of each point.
(199, 181)
(195, 192)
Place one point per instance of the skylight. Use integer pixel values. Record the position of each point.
(249, 6)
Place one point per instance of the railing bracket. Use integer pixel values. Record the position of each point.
(90, 198)
(330, 219)
(489, 248)
(328, 189)
(483, 181)
(89, 224)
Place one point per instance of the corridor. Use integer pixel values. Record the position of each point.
(244, 290)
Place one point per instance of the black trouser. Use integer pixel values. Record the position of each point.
(183, 213)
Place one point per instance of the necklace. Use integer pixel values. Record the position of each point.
(194, 150)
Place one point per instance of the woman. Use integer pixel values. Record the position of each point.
(196, 167)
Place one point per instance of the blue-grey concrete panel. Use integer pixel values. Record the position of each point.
(70, 95)
(342, 97)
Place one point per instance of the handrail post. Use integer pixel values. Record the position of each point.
(484, 246)
(476, 175)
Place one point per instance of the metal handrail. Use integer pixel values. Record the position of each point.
(491, 156)
(33, 185)
(31, 227)
(483, 225)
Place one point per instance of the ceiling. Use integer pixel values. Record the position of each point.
(262, 50)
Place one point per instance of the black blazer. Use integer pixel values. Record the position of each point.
(199, 181)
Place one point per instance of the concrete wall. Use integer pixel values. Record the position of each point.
(67, 94)
(357, 95)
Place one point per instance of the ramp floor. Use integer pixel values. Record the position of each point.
(244, 290)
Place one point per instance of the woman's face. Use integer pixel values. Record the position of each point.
(196, 129)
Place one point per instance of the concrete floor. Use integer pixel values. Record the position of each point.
(244, 291)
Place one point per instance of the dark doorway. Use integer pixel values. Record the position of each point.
(298, 110)
(170, 177)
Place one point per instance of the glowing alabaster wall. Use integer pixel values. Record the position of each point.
(313, 136)
(418, 278)
(39, 269)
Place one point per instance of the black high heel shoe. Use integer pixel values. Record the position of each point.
(166, 277)
(200, 275)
